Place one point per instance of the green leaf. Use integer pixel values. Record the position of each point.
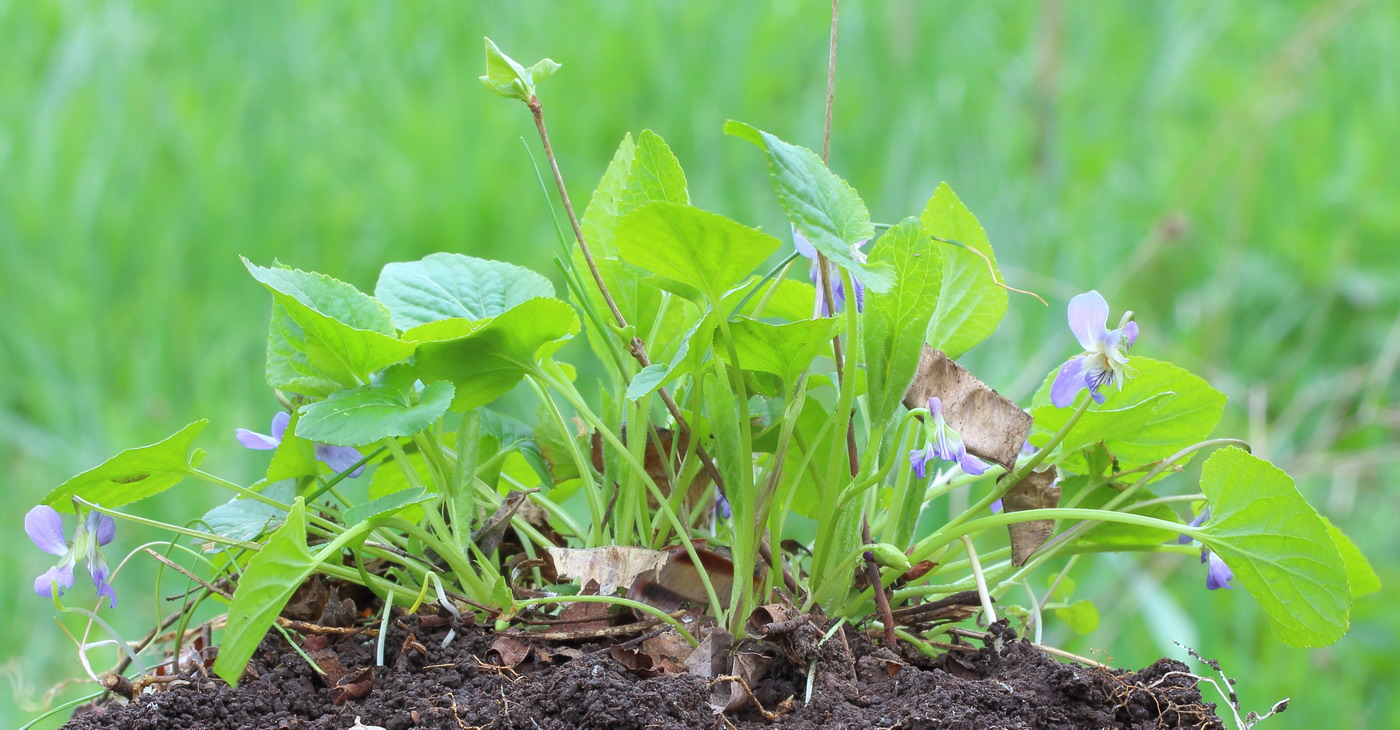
(134, 474)
(384, 506)
(707, 251)
(896, 320)
(611, 200)
(370, 413)
(694, 345)
(970, 304)
(825, 209)
(782, 349)
(1360, 575)
(1185, 415)
(784, 299)
(453, 286)
(242, 518)
(655, 175)
(1082, 617)
(489, 361)
(1278, 547)
(507, 78)
(295, 457)
(265, 586)
(345, 334)
(647, 380)
(288, 368)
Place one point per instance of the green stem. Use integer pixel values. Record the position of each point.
(584, 465)
(572, 396)
(629, 603)
(195, 534)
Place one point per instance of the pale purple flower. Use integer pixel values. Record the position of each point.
(338, 458)
(1218, 574)
(1105, 355)
(944, 443)
(838, 289)
(45, 529)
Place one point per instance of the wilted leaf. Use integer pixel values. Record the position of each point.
(991, 425)
(611, 565)
(1036, 491)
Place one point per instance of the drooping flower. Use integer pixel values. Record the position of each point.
(45, 528)
(1218, 574)
(943, 443)
(838, 289)
(1105, 355)
(338, 458)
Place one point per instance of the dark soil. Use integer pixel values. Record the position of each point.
(463, 686)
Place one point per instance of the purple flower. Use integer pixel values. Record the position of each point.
(338, 458)
(45, 529)
(1197, 522)
(1105, 355)
(1218, 574)
(722, 508)
(944, 443)
(838, 289)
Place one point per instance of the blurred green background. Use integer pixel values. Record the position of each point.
(1229, 170)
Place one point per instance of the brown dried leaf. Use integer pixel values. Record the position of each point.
(918, 570)
(584, 617)
(711, 657)
(611, 565)
(745, 671)
(488, 536)
(1036, 491)
(668, 652)
(355, 686)
(308, 600)
(991, 425)
(509, 650)
(678, 582)
(316, 647)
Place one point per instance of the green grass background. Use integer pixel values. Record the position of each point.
(1229, 170)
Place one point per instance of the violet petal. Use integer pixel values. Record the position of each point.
(61, 574)
(255, 440)
(279, 424)
(1218, 574)
(103, 526)
(1088, 319)
(1068, 382)
(45, 528)
(340, 458)
(1130, 331)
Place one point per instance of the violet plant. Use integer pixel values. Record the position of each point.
(737, 413)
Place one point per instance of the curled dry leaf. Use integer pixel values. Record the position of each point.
(1036, 491)
(354, 686)
(678, 582)
(488, 536)
(711, 657)
(316, 647)
(734, 689)
(991, 425)
(509, 650)
(611, 565)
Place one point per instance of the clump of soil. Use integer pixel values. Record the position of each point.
(464, 685)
